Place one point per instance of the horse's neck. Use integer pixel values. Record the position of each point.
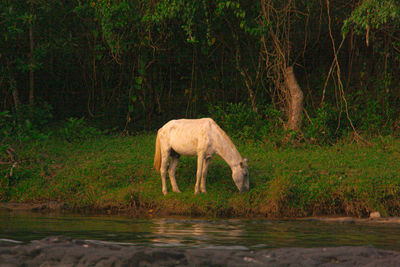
(226, 149)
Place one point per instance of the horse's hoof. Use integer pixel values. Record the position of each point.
(165, 193)
(177, 191)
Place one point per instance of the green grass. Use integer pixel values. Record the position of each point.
(116, 172)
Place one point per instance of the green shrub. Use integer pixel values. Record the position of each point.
(323, 127)
(25, 124)
(373, 114)
(241, 122)
(74, 129)
(35, 117)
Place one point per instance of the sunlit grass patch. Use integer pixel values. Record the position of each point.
(117, 171)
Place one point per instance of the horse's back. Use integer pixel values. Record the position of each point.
(188, 125)
(186, 136)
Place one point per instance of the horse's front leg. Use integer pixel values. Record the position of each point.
(204, 175)
(200, 163)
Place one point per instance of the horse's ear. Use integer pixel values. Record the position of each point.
(243, 163)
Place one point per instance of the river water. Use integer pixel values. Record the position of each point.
(196, 232)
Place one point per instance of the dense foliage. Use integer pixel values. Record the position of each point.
(136, 64)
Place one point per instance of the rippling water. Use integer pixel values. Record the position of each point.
(194, 232)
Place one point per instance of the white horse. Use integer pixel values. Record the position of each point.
(201, 137)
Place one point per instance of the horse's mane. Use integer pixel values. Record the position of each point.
(226, 137)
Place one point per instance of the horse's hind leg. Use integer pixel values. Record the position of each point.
(172, 170)
(163, 170)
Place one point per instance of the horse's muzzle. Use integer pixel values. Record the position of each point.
(243, 190)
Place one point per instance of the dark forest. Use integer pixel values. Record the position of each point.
(133, 65)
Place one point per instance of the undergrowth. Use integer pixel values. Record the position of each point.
(82, 166)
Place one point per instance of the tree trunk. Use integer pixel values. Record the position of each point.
(295, 101)
(13, 85)
(31, 65)
(14, 91)
(246, 77)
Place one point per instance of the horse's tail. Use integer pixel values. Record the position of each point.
(157, 155)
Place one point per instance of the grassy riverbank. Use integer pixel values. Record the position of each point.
(113, 172)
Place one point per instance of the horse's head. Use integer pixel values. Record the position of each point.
(240, 176)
